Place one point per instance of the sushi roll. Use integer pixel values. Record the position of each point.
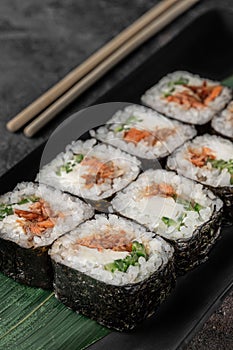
(113, 271)
(144, 133)
(187, 97)
(223, 123)
(177, 209)
(31, 218)
(89, 170)
(207, 159)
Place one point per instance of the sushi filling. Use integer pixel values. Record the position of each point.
(98, 172)
(114, 250)
(124, 251)
(196, 96)
(37, 219)
(33, 215)
(90, 172)
(143, 132)
(149, 138)
(187, 97)
(171, 206)
(207, 159)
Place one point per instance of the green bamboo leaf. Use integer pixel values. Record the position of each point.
(31, 318)
(228, 82)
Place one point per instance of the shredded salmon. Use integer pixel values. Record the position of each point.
(115, 241)
(163, 190)
(135, 135)
(151, 138)
(196, 96)
(213, 94)
(99, 171)
(37, 219)
(200, 156)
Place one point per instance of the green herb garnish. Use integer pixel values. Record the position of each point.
(171, 85)
(138, 249)
(168, 221)
(68, 167)
(180, 81)
(177, 224)
(78, 158)
(222, 164)
(189, 205)
(25, 200)
(125, 126)
(197, 207)
(5, 210)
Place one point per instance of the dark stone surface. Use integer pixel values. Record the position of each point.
(40, 41)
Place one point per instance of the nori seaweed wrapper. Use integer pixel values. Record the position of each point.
(118, 307)
(30, 266)
(226, 195)
(192, 251)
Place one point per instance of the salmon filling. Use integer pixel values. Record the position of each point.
(36, 220)
(195, 96)
(151, 138)
(100, 171)
(116, 242)
(162, 189)
(200, 156)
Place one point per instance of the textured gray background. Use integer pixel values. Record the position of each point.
(40, 41)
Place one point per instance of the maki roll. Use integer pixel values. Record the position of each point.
(89, 170)
(113, 271)
(207, 159)
(143, 132)
(223, 123)
(179, 210)
(31, 218)
(187, 97)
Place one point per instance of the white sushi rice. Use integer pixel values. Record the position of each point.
(144, 119)
(91, 261)
(73, 212)
(154, 97)
(149, 210)
(74, 182)
(223, 122)
(223, 150)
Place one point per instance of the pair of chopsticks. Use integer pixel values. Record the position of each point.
(48, 105)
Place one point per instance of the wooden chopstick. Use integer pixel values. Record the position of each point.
(107, 64)
(76, 90)
(80, 71)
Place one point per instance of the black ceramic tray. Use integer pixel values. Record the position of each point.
(208, 51)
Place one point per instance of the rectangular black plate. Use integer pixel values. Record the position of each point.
(206, 50)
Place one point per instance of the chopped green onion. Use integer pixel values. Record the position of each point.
(5, 210)
(189, 205)
(171, 85)
(130, 120)
(197, 207)
(181, 81)
(119, 128)
(168, 221)
(68, 167)
(177, 224)
(222, 164)
(78, 158)
(32, 199)
(138, 250)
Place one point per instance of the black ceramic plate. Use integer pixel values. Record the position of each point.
(206, 50)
